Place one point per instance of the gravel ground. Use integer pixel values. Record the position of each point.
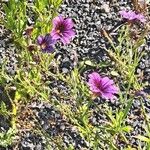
(89, 16)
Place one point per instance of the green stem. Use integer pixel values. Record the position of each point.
(14, 111)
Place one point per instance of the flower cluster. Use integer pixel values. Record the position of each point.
(131, 16)
(102, 86)
(62, 31)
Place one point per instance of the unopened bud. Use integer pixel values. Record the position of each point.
(32, 47)
(29, 31)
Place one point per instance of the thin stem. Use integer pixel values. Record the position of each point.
(14, 111)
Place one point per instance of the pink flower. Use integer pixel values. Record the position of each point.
(131, 15)
(102, 86)
(62, 29)
(46, 43)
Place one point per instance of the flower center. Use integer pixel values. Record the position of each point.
(60, 29)
(98, 84)
(43, 46)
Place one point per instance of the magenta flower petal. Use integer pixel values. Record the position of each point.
(69, 23)
(65, 40)
(46, 43)
(94, 75)
(69, 33)
(40, 39)
(63, 29)
(131, 15)
(108, 96)
(106, 82)
(48, 49)
(56, 20)
(48, 40)
(55, 35)
(103, 87)
(94, 80)
(111, 89)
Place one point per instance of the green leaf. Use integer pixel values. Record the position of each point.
(3, 109)
(56, 3)
(18, 95)
(127, 109)
(127, 128)
(143, 138)
(7, 138)
(89, 63)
